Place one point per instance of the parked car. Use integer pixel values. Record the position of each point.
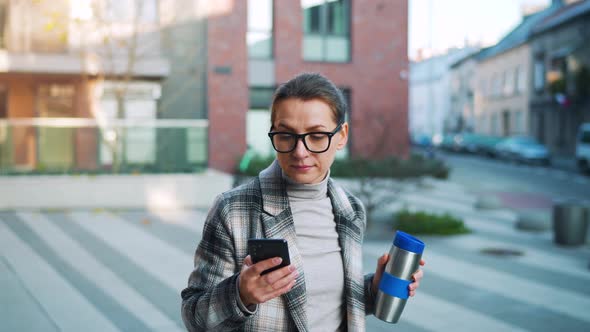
(421, 140)
(486, 145)
(446, 142)
(583, 148)
(523, 149)
(466, 142)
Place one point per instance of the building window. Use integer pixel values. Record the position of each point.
(139, 103)
(495, 124)
(519, 122)
(520, 78)
(539, 73)
(483, 87)
(146, 11)
(556, 77)
(55, 145)
(496, 85)
(508, 83)
(326, 30)
(260, 29)
(258, 121)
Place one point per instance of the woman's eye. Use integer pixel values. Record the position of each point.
(284, 137)
(317, 137)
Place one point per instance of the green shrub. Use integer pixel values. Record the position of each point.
(392, 167)
(427, 223)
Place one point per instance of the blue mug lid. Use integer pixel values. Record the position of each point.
(407, 242)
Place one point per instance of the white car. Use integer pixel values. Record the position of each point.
(523, 149)
(583, 148)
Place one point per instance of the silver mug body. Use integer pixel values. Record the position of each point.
(402, 264)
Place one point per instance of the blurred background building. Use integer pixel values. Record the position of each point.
(164, 85)
(533, 82)
(561, 76)
(430, 81)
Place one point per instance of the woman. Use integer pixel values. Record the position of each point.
(294, 199)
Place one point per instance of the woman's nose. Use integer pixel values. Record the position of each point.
(300, 149)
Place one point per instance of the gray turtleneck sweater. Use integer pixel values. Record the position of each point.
(317, 241)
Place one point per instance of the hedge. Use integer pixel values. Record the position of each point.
(428, 223)
(392, 167)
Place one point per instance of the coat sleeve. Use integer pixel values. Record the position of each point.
(369, 297)
(209, 303)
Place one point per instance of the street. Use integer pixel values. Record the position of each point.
(485, 174)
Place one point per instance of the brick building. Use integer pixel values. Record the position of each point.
(360, 45)
(218, 62)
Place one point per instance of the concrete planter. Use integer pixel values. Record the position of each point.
(487, 202)
(534, 221)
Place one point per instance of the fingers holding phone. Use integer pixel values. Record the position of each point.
(256, 287)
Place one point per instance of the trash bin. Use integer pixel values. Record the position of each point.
(570, 222)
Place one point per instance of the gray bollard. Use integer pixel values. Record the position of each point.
(570, 222)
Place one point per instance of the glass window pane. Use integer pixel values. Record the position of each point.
(337, 20)
(508, 83)
(140, 141)
(522, 81)
(259, 15)
(311, 19)
(539, 75)
(326, 30)
(56, 148)
(197, 145)
(313, 48)
(261, 97)
(337, 48)
(259, 44)
(257, 125)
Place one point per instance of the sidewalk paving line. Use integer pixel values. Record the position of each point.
(447, 316)
(96, 272)
(480, 224)
(65, 305)
(190, 219)
(169, 265)
(532, 257)
(528, 291)
(424, 203)
(458, 198)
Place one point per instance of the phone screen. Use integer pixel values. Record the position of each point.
(261, 249)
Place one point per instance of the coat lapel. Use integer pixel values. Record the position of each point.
(277, 222)
(350, 236)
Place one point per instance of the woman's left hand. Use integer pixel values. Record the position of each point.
(382, 261)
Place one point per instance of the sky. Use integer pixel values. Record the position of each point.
(456, 21)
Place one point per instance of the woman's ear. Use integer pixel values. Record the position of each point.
(343, 134)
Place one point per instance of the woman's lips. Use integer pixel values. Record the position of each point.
(302, 168)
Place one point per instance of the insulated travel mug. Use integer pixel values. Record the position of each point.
(404, 260)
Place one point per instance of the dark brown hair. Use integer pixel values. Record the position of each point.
(308, 86)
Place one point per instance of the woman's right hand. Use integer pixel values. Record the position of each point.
(256, 288)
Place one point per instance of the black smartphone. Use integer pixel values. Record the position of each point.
(261, 249)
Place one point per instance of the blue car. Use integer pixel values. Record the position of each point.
(523, 149)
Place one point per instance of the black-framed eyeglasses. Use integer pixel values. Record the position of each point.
(316, 142)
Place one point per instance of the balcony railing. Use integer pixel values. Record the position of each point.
(77, 145)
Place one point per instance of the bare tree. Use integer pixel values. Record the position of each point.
(112, 39)
(373, 188)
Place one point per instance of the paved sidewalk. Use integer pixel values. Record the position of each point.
(97, 270)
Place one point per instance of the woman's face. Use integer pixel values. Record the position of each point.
(300, 117)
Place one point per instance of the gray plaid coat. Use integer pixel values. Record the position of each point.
(260, 209)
